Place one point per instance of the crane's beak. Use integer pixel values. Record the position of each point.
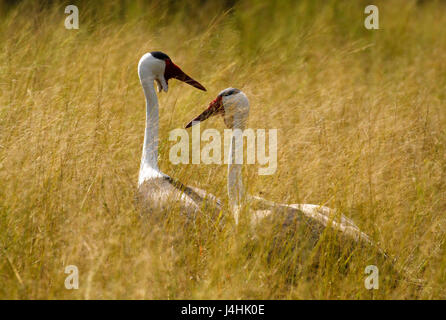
(173, 71)
(215, 107)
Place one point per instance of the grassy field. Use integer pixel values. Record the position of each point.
(361, 119)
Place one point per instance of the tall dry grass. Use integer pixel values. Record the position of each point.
(361, 120)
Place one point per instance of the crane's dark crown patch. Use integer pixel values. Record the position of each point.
(159, 55)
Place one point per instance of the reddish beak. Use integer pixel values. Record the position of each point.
(173, 71)
(215, 107)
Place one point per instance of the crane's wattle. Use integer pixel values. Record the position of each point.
(173, 71)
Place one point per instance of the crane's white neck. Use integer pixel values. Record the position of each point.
(149, 159)
(235, 163)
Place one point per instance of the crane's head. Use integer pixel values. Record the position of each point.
(157, 66)
(232, 104)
